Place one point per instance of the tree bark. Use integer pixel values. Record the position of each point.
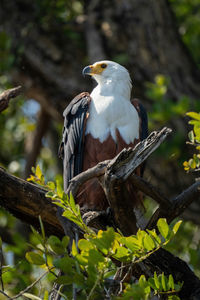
(27, 202)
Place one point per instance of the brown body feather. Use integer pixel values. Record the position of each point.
(91, 195)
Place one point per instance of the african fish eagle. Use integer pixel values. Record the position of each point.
(98, 126)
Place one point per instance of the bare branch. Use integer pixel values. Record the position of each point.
(177, 206)
(27, 202)
(149, 190)
(80, 179)
(125, 163)
(7, 95)
(31, 285)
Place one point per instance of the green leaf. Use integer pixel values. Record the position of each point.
(148, 243)
(95, 257)
(46, 295)
(56, 245)
(74, 248)
(131, 243)
(65, 241)
(37, 235)
(35, 258)
(110, 273)
(154, 235)
(42, 228)
(164, 282)
(191, 136)
(122, 254)
(142, 281)
(72, 202)
(70, 215)
(38, 172)
(151, 282)
(0, 243)
(51, 185)
(104, 240)
(30, 296)
(59, 189)
(140, 236)
(65, 264)
(163, 227)
(194, 115)
(192, 163)
(50, 194)
(85, 245)
(82, 260)
(176, 226)
(173, 297)
(171, 282)
(157, 283)
(79, 280)
(65, 279)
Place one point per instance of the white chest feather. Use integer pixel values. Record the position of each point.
(109, 113)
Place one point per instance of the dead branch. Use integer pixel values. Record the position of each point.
(177, 205)
(27, 202)
(124, 164)
(7, 95)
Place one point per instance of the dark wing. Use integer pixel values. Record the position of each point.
(71, 148)
(143, 118)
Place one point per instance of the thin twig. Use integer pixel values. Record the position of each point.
(58, 292)
(31, 285)
(6, 295)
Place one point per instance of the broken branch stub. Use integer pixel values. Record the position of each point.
(119, 172)
(7, 95)
(125, 163)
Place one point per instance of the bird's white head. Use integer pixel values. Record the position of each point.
(110, 77)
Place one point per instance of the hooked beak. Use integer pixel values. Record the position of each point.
(87, 71)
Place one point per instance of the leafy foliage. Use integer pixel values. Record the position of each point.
(90, 266)
(164, 109)
(193, 164)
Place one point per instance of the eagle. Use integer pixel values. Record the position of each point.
(97, 126)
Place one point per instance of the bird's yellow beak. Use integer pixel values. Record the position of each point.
(93, 69)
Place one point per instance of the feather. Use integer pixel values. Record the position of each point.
(71, 148)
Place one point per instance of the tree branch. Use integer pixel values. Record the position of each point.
(27, 202)
(7, 95)
(177, 205)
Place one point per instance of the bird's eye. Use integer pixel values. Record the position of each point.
(103, 66)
